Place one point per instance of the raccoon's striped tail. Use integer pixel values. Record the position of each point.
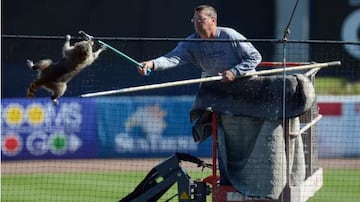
(32, 89)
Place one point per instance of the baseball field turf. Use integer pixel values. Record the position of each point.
(338, 185)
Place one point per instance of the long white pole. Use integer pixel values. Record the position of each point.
(154, 86)
(208, 79)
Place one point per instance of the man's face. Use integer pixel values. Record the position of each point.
(203, 23)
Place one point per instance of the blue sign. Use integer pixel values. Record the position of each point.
(146, 127)
(36, 129)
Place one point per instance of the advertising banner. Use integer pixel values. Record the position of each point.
(338, 132)
(36, 129)
(146, 127)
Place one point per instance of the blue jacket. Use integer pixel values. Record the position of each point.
(213, 57)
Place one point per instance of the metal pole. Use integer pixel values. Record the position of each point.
(208, 79)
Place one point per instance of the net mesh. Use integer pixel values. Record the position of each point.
(100, 149)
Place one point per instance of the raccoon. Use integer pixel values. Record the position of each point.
(54, 76)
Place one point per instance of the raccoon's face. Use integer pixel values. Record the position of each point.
(83, 49)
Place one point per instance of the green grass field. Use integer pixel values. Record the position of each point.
(336, 86)
(339, 185)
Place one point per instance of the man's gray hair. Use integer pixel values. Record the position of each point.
(210, 11)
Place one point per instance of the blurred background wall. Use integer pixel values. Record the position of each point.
(257, 19)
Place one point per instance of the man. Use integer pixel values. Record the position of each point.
(229, 59)
(243, 162)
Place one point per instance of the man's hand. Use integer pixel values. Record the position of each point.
(145, 66)
(227, 76)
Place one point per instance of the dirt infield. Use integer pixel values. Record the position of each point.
(104, 165)
(67, 166)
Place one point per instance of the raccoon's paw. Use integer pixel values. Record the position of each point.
(103, 47)
(68, 37)
(29, 63)
(55, 102)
